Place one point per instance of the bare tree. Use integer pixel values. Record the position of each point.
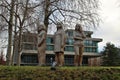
(21, 12)
(70, 12)
(9, 7)
(26, 10)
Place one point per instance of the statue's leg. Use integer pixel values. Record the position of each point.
(61, 58)
(42, 57)
(56, 58)
(39, 59)
(76, 48)
(80, 55)
(39, 63)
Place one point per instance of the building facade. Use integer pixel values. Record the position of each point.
(29, 56)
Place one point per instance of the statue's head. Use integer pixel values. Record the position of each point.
(59, 25)
(78, 27)
(41, 27)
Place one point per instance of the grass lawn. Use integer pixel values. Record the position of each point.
(61, 73)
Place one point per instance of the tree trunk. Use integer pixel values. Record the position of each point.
(19, 47)
(15, 36)
(47, 12)
(10, 25)
(9, 51)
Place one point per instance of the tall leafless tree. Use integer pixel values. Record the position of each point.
(70, 12)
(9, 7)
(26, 10)
(20, 11)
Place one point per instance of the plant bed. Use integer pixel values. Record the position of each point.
(61, 73)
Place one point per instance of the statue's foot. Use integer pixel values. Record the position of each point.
(60, 65)
(76, 64)
(41, 65)
(80, 64)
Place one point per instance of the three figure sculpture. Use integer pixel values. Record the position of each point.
(59, 44)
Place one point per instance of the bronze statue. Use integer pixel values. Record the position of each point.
(59, 44)
(41, 44)
(79, 36)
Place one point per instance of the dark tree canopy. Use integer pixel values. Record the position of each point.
(111, 55)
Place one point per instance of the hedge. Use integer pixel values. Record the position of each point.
(61, 73)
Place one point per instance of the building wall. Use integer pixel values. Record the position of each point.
(29, 47)
(95, 61)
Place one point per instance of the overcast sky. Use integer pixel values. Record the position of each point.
(109, 29)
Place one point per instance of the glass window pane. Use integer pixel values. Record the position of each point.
(50, 47)
(28, 46)
(69, 48)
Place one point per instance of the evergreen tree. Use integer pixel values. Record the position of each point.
(111, 55)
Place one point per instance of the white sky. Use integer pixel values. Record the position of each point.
(109, 29)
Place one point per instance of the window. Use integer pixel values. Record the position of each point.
(69, 60)
(86, 43)
(85, 60)
(90, 43)
(50, 47)
(28, 46)
(70, 33)
(69, 41)
(50, 59)
(90, 49)
(49, 40)
(94, 50)
(69, 48)
(29, 58)
(95, 43)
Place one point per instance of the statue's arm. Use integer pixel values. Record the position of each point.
(83, 35)
(42, 38)
(76, 37)
(63, 38)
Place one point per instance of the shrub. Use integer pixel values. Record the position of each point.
(62, 73)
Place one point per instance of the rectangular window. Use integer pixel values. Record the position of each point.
(28, 46)
(95, 50)
(70, 33)
(50, 47)
(69, 41)
(29, 58)
(69, 48)
(69, 60)
(90, 43)
(95, 43)
(90, 49)
(49, 40)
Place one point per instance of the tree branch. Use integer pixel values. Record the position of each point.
(4, 18)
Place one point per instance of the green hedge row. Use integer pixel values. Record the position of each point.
(61, 73)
